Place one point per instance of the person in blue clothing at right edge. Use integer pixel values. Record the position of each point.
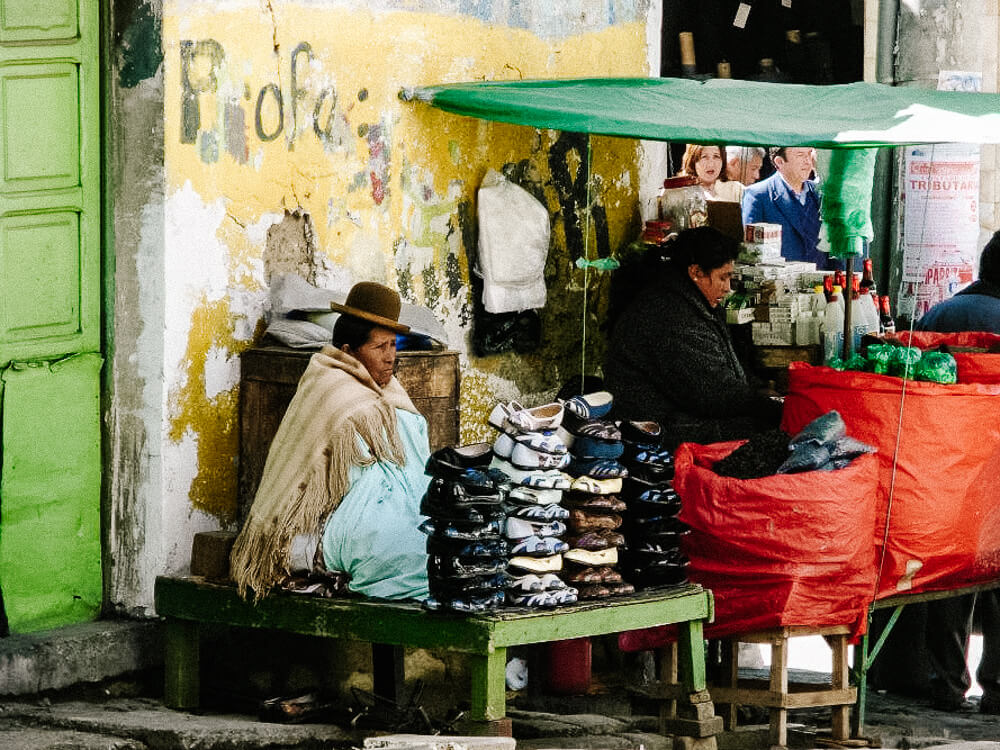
(949, 621)
(791, 199)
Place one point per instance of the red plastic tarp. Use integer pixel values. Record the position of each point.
(789, 549)
(973, 367)
(944, 518)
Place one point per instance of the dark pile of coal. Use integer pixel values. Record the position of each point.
(759, 457)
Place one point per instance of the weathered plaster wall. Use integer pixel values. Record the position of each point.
(936, 35)
(285, 146)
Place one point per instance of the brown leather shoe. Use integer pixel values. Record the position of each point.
(586, 501)
(581, 521)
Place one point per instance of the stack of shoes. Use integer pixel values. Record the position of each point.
(532, 457)
(652, 530)
(593, 499)
(466, 549)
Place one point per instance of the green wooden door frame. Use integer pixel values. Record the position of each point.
(50, 311)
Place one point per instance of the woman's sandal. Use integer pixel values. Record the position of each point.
(597, 486)
(537, 418)
(590, 405)
(597, 468)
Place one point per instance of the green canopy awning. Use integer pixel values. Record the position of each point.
(851, 115)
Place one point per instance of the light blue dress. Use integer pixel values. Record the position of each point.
(373, 534)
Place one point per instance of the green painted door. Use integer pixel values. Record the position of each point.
(50, 358)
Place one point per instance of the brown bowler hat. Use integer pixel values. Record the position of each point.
(375, 303)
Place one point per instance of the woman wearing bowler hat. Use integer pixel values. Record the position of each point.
(342, 484)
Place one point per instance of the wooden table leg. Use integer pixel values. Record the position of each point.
(779, 684)
(181, 684)
(388, 674)
(489, 685)
(691, 655)
(841, 723)
(730, 677)
(668, 676)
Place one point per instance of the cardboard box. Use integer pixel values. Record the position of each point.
(764, 233)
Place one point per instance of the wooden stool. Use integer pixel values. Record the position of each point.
(778, 694)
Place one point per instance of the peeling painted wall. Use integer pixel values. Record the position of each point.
(286, 147)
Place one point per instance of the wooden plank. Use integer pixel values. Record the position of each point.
(776, 635)
(772, 699)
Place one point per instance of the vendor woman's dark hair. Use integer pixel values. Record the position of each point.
(352, 331)
(705, 247)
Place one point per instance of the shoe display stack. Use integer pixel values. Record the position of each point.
(652, 530)
(593, 499)
(530, 455)
(466, 549)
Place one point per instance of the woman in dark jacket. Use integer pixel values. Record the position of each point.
(670, 357)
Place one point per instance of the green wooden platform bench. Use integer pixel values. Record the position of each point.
(186, 603)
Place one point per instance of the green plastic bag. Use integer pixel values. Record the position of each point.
(903, 361)
(878, 358)
(856, 362)
(937, 367)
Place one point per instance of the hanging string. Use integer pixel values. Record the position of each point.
(902, 398)
(586, 268)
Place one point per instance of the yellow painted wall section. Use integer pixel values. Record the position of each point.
(291, 107)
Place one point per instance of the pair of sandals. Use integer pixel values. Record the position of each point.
(592, 486)
(600, 574)
(594, 503)
(520, 495)
(474, 487)
(455, 460)
(522, 528)
(596, 468)
(476, 586)
(594, 591)
(581, 521)
(543, 479)
(461, 530)
(533, 583)
(538, 546)
(430, 505)
(466, 605)
(514, 418)
(592, 558)
(596, 540)
(543, 599)
(466, 550)
(538, 513)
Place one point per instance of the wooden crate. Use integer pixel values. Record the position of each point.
(270, 374)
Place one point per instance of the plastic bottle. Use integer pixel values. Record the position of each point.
(859, 320)
(833, 326)
(888, 325)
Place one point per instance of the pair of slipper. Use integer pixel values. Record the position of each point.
(593, 591)
(538, 513)
(600, 574)
(471, 514)
(520, 495)
(538, 546)
(470, 587)
(581, 521)
(592, 486)
(521, 564)
(652, 464)
(590, 435)
(596, 468)
(591, 558)
(455, 460)
(543, 479)
(442, 567)
(466, 605)
(461, 530)
(466, 550)
(594, 503)
(543, 599)
(514, 418)
(534, 450)
(474, 488)
(533, 583)
(522, 528)
(596, 540)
